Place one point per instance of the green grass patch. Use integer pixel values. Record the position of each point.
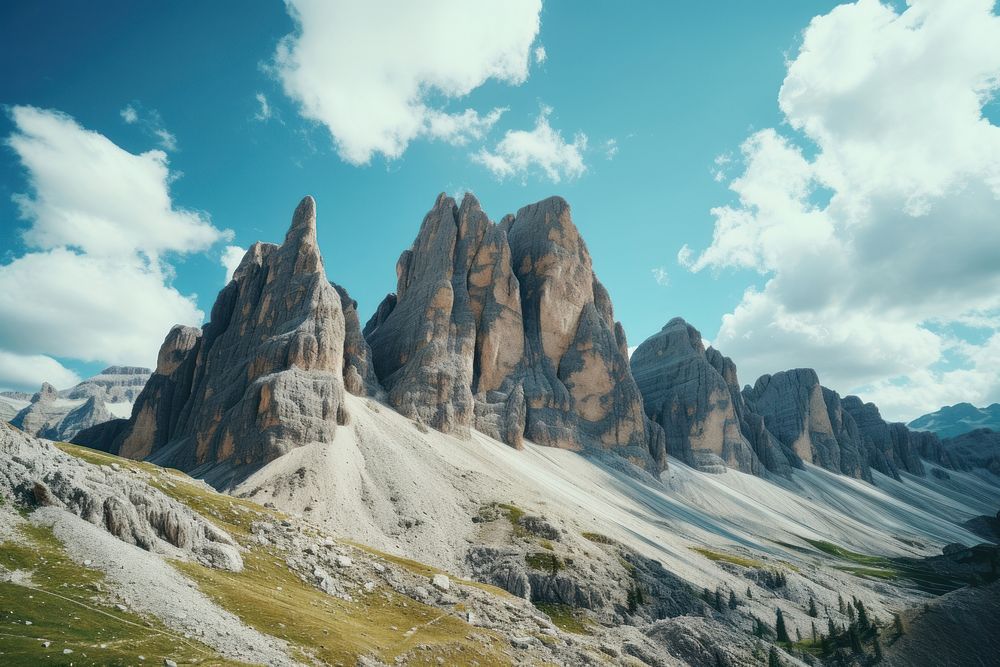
(544, 561)
(848, 555)
(870, 572)
(718, 556)
(565, 617)
(332, 630)
(597, 538)
(63, 606)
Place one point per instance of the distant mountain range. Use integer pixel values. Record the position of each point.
(957, 419)
(60, 415)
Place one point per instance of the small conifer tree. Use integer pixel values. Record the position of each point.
(781, 632)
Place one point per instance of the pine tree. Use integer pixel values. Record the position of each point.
(707, 595)
(824, 645)
(798, 635)
(814, 631)
(863, 623)
(840, 603)
(831, 628)
(749, 593)
(772, 658)
(639, 597)
(733, 603)
(781, 632)
(718, 600)
(897, 622)
(852, 633)
(631, 601)
(812, 607)
(878, 650)
(850, 613)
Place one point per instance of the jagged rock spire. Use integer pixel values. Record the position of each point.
(265, 374)
(505, 327)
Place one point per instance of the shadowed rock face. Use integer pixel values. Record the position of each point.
(504, 327)
(686, 391)
(263, 376)
(694, 394)
(892, 447)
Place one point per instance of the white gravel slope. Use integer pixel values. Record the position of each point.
(385, 482)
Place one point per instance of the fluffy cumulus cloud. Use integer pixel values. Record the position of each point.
(101, 227)
(873, 216)
(23, 371)
(378, 74)
(540, 150)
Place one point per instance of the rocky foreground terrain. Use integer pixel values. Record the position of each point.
(479, 475)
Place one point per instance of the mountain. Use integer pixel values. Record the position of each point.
(480, 473)
(505, 328)
(265, 375)
(977, 449)
(957, 419)
(693, 394)
(782, 421)
(60, 415)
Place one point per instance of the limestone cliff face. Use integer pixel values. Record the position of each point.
(686, 391)
(504, 327)
(266, 374)
(892, 447)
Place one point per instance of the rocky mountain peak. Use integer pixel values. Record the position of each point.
(686, 391)
(46, 393)
(265, 375)
(504, 327)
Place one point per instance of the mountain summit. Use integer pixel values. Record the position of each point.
(265, 375)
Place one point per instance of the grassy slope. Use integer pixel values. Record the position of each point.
(315, 624)
(63, 605)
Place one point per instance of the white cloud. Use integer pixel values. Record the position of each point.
(459, 129)
(522, 152)
(27, 372)
(129, 114)
(540, 54)
(888, 230)
(151, 123)
(264, 112)
(94, 285)
(611, 148)
(376, 74)
(230, 259)
(167, 140)
(661, 276)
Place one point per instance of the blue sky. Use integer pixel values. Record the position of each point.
(659, 90)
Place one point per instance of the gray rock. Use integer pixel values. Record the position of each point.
(61, 415)
(891, 447)
(265, 375)
(975, 449)
(686, 394)
(359, 371)
(116, 500)
(504, 327)
(115, 384)
(795, 412)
